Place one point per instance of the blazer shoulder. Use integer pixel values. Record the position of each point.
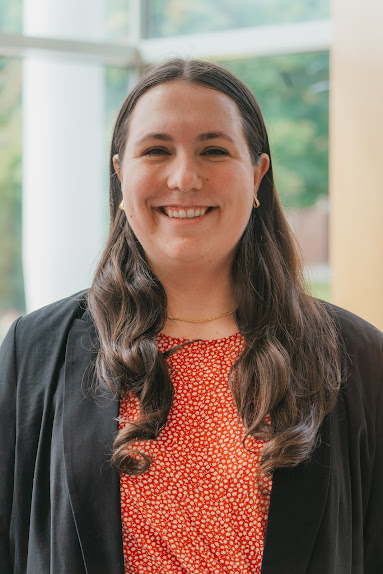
(57, 316)
(357, 334)
(43, 333)
(362, 351)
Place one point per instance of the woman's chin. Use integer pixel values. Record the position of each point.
(179, 251)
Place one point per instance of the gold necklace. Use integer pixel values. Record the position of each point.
(203, 320)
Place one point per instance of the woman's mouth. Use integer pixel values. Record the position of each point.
(186, 212)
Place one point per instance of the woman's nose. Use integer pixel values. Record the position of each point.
(184, 175)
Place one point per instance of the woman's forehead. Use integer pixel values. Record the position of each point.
(179, 103)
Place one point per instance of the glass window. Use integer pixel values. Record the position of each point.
(11, 276)
(11, 16)
(116, 86)
(293, 93)
(117, 20)
(173, 17)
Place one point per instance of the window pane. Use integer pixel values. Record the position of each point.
(84, 20)
(117, 20)
(293, 93)
(115, 88)
(11, 16)
(11, 276)
(173, 17)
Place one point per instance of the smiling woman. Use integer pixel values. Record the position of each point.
(195, 411)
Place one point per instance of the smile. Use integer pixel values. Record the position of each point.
(185, 213)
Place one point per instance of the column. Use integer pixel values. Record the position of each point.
(356, 158)
(64, 189)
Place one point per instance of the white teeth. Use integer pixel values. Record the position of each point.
(182, 214)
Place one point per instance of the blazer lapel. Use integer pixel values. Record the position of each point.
(89, 429)
(297, 503)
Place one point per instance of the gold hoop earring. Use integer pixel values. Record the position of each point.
(121, 206)
(256, 202)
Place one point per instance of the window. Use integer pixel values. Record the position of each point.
(292, 90)
(176, 17)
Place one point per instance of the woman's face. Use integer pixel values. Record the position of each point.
(186, 175)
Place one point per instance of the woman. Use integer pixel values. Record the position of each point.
(195, 411)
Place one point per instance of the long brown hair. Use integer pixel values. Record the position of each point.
(290, 366)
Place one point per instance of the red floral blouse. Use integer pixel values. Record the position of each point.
(199, 508)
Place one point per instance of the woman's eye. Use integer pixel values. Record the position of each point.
(215, 151)
(156, 151)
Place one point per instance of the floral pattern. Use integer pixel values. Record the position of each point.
(199, 508)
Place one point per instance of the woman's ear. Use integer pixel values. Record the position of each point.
(116, 165)
(260, 169)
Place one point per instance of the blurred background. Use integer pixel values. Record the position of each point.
(67, 65)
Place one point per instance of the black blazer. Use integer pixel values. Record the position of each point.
(59, 496)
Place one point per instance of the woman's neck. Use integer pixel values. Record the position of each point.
(196, 295)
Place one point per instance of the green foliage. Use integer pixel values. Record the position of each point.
(173, 17)
(11, 279)
(117, 19)
(292, 92)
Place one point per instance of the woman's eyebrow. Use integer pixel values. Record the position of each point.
(201, 138)
(214, 135)
(155, 136)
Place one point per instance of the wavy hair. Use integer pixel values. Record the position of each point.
(290, 367)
